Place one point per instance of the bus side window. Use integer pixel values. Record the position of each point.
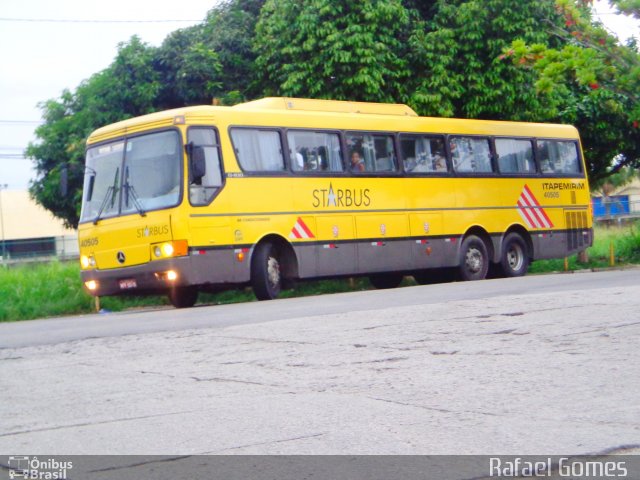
(471, 154)
(258, 150)
(203, 188)
(422, 154)
(375, 151)
(558, 157)
(515, 155)
(313, 151)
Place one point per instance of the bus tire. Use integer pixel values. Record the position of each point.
(386, 280)
(183, 297)
(266, 272)
(514, 258)
(474, 259)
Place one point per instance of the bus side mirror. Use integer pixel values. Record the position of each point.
(92, 182)
(197, 163)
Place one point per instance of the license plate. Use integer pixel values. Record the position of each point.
(128, 283)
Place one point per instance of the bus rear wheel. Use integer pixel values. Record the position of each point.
(386, 280)
(474, 260)
(266, 272)
(514, 260)
(183, 297)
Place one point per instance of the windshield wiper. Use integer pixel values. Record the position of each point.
(113, 191)
(128, 189)
(110, 191)
(136, 199)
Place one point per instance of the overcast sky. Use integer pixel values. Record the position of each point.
(42, 58)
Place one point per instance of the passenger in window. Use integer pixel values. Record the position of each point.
(357, 164)
(299, 160)
(439, 163)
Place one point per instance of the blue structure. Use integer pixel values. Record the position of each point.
(609, 206)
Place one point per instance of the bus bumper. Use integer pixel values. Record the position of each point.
(152, 277)
(211, 267)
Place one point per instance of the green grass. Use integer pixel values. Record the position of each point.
(626, 248)
(44, 290)
(50, 289)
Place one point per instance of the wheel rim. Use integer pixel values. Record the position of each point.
(474, 260)
(273, 272)
(515, 257)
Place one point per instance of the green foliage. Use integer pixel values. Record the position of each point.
(455, 57)
(332, 49)
(628, 7)
(591, 81)
(625, 242)
(192, 66)
(189, 70)
(542, 60)
(44, 290)
(125, 89)
(606, 186)
(34, 291)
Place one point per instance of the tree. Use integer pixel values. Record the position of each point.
(229, 30)
(532, 60)
(333, 49)
(599, 75)
(455, 58)
(190, 70)
(125, 89)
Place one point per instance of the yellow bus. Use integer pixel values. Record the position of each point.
(279, 189)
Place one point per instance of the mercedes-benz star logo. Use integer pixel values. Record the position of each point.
(121, 258)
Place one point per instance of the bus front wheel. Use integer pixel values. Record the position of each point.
(474, 261)
(514, 260)
(183, 297)
(266, 273)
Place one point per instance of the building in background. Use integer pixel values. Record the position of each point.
(29, 231)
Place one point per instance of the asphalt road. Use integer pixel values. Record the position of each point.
(65, 329)
(536, 365)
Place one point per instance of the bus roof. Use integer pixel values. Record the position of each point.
(286, 112)
(334, 106)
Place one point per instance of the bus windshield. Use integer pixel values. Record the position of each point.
(132, 176)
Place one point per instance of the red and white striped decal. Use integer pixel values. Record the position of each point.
(531, 212)
(301, 231)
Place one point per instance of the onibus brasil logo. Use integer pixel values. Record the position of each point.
(38, 469)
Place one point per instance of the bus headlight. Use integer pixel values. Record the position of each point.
(175, 248)
(167, 249)
(172, 275)
(87, 261)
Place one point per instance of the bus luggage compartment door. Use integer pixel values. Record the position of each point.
(337, 250)
(382, 243)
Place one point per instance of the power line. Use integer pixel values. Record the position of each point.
(69, 20)
(21, 122)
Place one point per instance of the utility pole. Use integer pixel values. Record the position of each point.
(4, 248)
